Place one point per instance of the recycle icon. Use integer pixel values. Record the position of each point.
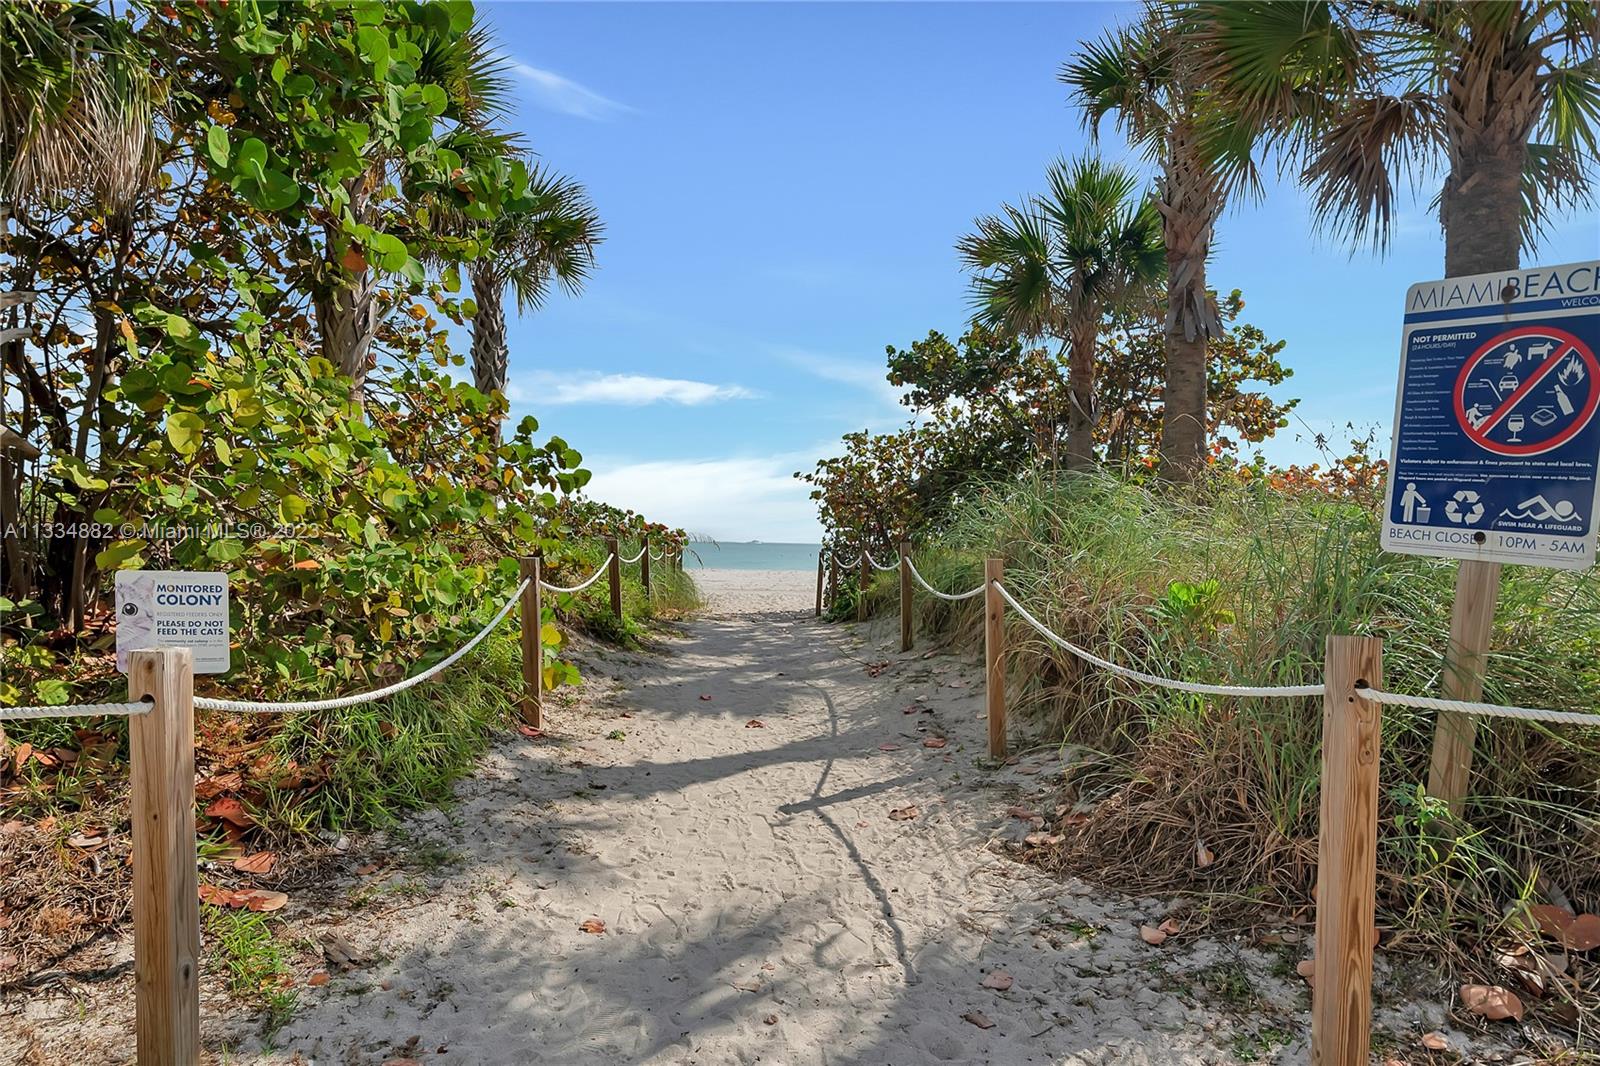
(1464, 506)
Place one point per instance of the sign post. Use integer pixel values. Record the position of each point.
(1495, 453)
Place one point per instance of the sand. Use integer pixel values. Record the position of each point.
(760, 904)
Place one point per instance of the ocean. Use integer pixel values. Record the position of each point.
(750, 555)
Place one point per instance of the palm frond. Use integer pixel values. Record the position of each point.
(75, 104)
(1554, 179)
(1354, 161)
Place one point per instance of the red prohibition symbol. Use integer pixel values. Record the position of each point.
(1555, 351)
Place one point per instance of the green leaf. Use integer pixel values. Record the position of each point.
(52, 692)
(434, 99)
(185, 430)
(251, 158)
(120, 555)
(217, 145)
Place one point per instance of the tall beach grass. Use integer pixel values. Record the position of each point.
(1241, 585)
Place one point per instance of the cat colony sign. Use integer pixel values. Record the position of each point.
(174, 609)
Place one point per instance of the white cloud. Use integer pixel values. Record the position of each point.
(625, 390)
(736, 499)
(870, 377)
(565, 96)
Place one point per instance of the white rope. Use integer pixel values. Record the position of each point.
(206, 703)
(656, 557)
(879, 566)
(1490, 710)
(635, 559)
(579, 588)
(75, 710)
(1152, 679)
(942, 595)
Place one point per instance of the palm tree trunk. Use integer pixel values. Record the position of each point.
(1189, 207)
(490, 354)
(1080, 385)
(347, 312)
(1492, 103)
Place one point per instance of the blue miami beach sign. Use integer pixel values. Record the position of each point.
(1497, 422)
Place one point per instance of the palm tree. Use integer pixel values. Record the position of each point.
(551, 239)
(1145, 77)
(1369, 91)
(1053, 267)
(472, 74)
(75, 104)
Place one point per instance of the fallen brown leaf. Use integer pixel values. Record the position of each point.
(1307, 968)
(259, 899)
(212, 787)
(1170, 927)
(771, 1019)
(888, 747)
(592, 925)
(1043, 840)
(530, 732)
(935, 742)
(1021, 812)
(755, 723)
(1583, 934)
(978, 1018)
(1152, 936)
(259, 863)
(1491, 1002)
(1435, 1041)
(87, 841)
(705, 697)
(318, 978)
(230, 810)
(216, 895)
(902, 814)
(998, 980)
(1203, 856)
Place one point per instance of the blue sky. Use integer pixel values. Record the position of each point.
(782, 185)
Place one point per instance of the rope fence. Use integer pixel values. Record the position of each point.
(74, 710)
(166, 907)
(1353, 698)
(596, 576)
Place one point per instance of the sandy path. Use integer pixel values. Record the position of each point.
(760, 905)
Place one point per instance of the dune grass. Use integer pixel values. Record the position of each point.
(1241, 585)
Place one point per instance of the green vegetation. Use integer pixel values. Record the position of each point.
(248, 228)
(255, 960)
(1239, 584)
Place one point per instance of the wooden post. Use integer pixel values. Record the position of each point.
(166, 902)
(1347, 855)
(644, 564)
(1471, 627)
(532, 569)
(820, 572)
(614, 573)
(833, 579)
(994, 655)
(905, 596)
(862, 582)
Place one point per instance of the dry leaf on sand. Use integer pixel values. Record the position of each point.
(1491, 1002)
(903, 814)
(935, 742)
(998, 980)
(259, 899)
(978, 1018)
(1435, 1041)
(755, 723)
(592, 925)
(1152, 936)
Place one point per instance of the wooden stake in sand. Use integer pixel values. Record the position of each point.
(532, 608)
(833, 579)
(614, 574)
(905, 596)
(994, 655)
(820, 575)
(861, 590)
(1347, 856)
(644, 564)
(166, 900)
